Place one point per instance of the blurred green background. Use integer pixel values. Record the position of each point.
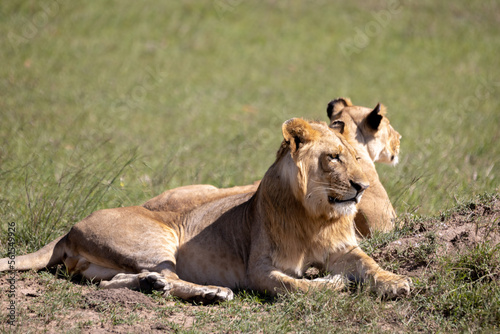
(109, 103)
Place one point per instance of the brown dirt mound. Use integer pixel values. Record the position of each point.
(462, 230)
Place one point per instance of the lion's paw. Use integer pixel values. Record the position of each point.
(214, 294)
(154, 281)
(391, 286)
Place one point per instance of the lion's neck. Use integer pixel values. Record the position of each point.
(285, 216)
(297, 239)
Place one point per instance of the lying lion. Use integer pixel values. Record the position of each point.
(375, 141)
(301, 214)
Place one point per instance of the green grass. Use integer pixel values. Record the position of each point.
(465, 291)
(107, 104)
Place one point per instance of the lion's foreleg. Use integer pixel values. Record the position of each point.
(355, 262)
(200, 293)
(274, 281)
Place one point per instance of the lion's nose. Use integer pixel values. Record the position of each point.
(359, 186)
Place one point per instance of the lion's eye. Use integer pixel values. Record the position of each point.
(333, 157)
(358, 158)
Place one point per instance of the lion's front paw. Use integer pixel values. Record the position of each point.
(213, 294)
(222, 294)
(154, 281)
(391, 286)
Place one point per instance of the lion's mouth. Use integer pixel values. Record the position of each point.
(333, 200)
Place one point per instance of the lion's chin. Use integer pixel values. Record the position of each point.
(346, 208)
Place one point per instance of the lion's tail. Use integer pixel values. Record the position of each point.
(51, 254)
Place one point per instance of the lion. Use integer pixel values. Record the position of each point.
(375, 141)
(301, 214)
(373, 129)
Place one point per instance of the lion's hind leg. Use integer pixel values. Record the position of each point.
(146, 281)
(195, 292)
(78, 264)
(114, 278)
(169, 283)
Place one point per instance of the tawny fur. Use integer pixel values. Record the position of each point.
(301, 214)
(376, 141)
(380, 144)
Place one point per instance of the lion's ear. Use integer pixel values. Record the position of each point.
(338, 126)
(337, 105)
(297, 132)
(375, 117)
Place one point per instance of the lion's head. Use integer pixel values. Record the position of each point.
(320, 167)
(372, 128)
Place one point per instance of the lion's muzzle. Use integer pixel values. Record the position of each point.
(359, 189)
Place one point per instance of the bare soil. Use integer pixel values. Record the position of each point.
(92, 311)
(41, 300)
(446, 236)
